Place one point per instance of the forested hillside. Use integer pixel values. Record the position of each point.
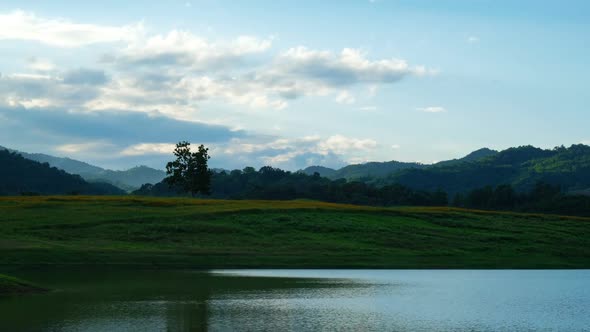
(128, 180)
(361, 172)
(275, 184)
(369, 172)
(522, 167)
(21, 176)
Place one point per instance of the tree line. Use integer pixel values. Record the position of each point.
(269, 183)
(543, 197)
(189, 174)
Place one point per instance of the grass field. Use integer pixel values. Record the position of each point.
(137, 231)
(11, 286)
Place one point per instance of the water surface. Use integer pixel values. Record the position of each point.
(302, 300)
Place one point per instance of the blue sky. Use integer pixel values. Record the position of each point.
(292, 83)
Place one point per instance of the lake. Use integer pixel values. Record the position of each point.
(302, 300)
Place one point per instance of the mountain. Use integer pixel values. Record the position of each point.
(369, 171)
(69, 165)
(321, 170)
(361, 172)
(520, 167)
(584, 192)
(372, 170)
(128, 180)
(269, 183)
(473, 156)
(19, 175)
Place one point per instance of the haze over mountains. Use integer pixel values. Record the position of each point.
(520, 167)
(128, 180)
(373, 170)
(21, 176)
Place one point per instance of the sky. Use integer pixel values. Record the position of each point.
(292, 84)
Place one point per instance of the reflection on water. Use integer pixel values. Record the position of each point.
(302, 300)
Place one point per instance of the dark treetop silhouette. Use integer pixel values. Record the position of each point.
(190, 171)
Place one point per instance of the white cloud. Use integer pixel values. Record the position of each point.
(300, 152)
(372, 91)
(358, 160)
(40, 65)
(148, 148)
(432, 109)
(173, 73)
(182, 48)
(43, 90)
(351, 66)
(344, 97)
(87, 147)
(31, 103)
(395, 146)
(368, 108)
(177, 73)
(279, 159)
(473, 39)
(19, 25)
(341, 144)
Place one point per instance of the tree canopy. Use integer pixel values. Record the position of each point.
(190, 171)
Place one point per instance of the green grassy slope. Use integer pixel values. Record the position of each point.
(11, 285)
(295, 234)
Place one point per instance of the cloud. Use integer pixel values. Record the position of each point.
(342, 144)
(195, 70)
(76, 148)
(109, 139)
(19, 25)
(113, 139)
(345, 97)
(347, 68)
(292, 74)
(473, 39)
(372, 91)
(173, 73)
(432, 109)
(125, 128)
(368, 108)
(43, 90)
(182, 48)
(85, 77)
(395, 146)
(297, 153)
(40, 65)
(150, 90)
(148, 148)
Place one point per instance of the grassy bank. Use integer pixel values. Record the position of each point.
(294, 234)
(11, 286)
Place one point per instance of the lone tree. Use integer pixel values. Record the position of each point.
(190, 171)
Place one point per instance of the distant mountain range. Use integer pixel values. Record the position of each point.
(127, 180)
(520, 167)
(21, 176)
(372, 170)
